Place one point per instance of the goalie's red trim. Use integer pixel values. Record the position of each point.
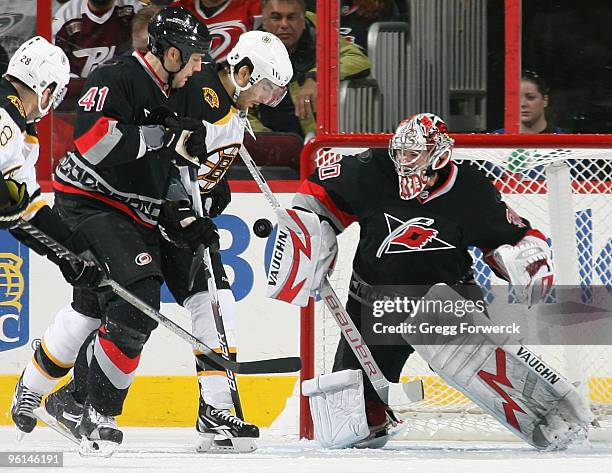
(536, 233)
(289, 291)
(318, 192)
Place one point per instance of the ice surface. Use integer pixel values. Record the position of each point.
(170, 450)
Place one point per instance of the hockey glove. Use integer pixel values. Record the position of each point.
(180, 225)
(184, 141)
(527, 266)
(158, 116)
(217, 199)
(86, 273)
(14, 202)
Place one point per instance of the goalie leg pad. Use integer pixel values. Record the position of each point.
(337, 407)
(512, 384)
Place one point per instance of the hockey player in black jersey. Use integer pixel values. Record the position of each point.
(257, 72)
(110, 192)
(210, 95)
(418, 212)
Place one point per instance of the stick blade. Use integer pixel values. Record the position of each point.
(276, 365)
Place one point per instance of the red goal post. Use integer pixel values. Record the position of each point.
(553, 180)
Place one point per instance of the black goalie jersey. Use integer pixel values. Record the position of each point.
(421, 241)
(112, 166)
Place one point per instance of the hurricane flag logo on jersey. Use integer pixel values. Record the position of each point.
(14, 326)
(416, 234)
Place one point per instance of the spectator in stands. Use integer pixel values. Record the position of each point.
(226, 21)
(356, 16)
(140, 27)
(534, 102)
(91, 32)
(296, 28)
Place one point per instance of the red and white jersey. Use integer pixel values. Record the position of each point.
(227, 24)
(89, 40)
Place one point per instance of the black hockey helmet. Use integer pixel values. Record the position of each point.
(178, 27)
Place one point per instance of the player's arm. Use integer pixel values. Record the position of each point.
(514, 251)
(14, 197)
(106, 134)
(305, 248)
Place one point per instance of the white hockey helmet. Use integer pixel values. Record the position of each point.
(270, 62)
(420, 145)
(39, 64)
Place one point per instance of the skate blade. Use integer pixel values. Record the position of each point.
(20, 434)
(207, 444)
(41, 414)
(381, 441)
(97, 448)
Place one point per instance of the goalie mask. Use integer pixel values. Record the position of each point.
(420, 145)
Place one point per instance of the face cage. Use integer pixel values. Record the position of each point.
(406, 167)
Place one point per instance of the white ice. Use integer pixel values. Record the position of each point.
(171, 450)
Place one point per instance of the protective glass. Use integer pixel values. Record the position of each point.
(267, 93)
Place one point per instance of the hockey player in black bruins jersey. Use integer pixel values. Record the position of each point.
(418, 212)
(210, 95)
(257, 72)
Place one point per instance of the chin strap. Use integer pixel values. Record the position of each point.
(237, 88)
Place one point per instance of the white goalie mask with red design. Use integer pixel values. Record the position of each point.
(420, 145)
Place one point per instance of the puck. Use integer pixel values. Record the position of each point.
(262, 227)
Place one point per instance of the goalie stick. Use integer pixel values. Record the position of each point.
(204, 253)
(274, 365)
(392, 394)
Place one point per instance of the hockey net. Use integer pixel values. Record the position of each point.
(565, 192)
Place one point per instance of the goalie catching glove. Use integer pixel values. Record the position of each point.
(526, 265)
(304, 254)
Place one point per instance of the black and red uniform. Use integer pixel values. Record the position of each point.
(418, 242)
(110, 191)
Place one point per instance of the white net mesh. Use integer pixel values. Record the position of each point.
(566, 193)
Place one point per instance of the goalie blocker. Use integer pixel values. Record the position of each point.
(304, 253)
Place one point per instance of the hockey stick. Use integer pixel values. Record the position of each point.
(275, 365)
(392, 394)
(214, 296)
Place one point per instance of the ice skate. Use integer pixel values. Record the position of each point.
(384, 425)
(221, 431)
(99, 433)
(62, 413)
(22, 408)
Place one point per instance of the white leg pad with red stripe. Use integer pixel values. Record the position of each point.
(512, 384)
